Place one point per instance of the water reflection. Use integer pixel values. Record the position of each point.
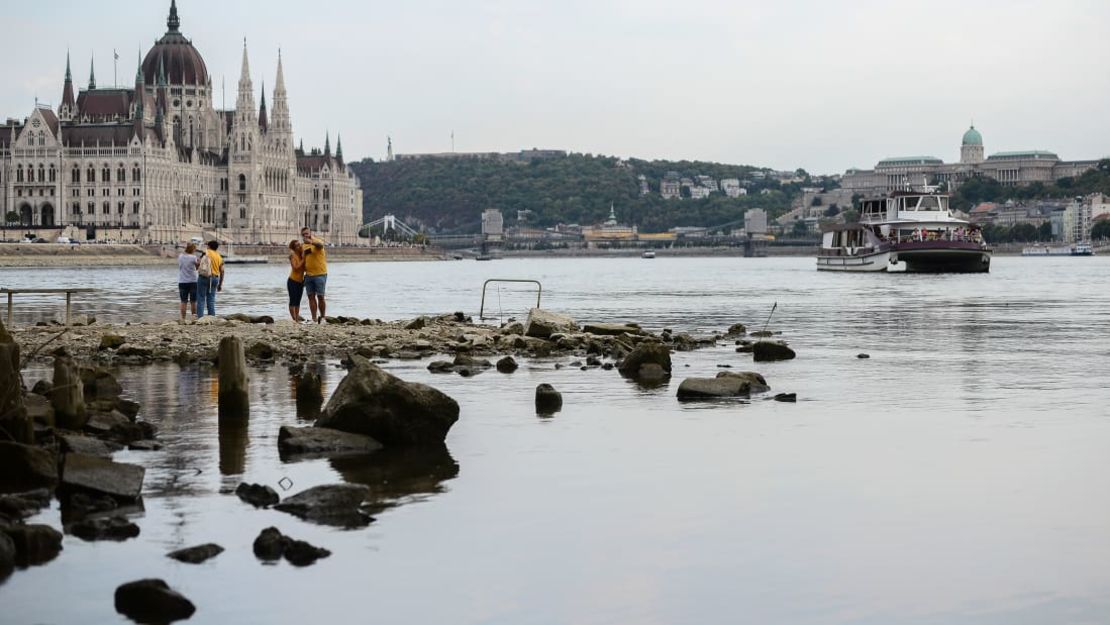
(233, 445)
(398, 475)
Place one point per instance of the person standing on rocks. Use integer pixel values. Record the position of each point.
(187, 262)
(295, 283)
(316, 274)
(210, 279)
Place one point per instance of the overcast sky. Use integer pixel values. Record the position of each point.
(823, 85)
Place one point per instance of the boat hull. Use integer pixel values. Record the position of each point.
(864, 263)
(943, 258)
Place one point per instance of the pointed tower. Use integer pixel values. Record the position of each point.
(140, 96)
(173, 23)
(327, 145)
(244, 163)
(339, 148)
(263, 121)
(280, 123)
(92, 74)
(68, 109)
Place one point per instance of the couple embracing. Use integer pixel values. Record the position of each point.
(308, 262)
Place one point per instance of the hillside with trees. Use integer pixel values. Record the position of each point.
(449, 195)
(979, 190)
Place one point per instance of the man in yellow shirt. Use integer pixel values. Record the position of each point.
(315, 274)
(210, 279)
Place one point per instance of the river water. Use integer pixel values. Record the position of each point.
(957, 476)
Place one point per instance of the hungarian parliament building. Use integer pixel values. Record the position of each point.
(158, 163)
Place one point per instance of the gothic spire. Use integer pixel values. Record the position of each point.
(161, 70)
(92, 73)
(279, 87)
(66, 110)
(245, 72)
(327, 144)
(174, 22)
(69, 75)
(339, 147)
(263, 121)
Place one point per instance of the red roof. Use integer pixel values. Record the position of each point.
(105, 103)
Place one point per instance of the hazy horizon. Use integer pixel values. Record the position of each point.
(821, 85)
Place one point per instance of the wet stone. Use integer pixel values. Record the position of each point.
(257, 495)
(152, 601)
(338, 505)
(196, 555)
(116, 528)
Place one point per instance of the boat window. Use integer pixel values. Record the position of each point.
(909, 203)
(929, 203)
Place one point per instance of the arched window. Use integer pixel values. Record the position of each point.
(19, 174)
(242, 182)
(42, 173)
(107, 208)
(136, 174)
(121, 173)
(106, 174)
(91, 174)
(53, 174)
(76, 175)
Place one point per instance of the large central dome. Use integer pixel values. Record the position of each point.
(183, 64)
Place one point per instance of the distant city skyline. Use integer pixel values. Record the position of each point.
(825, 86)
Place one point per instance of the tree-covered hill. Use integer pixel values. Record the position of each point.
(979, 190)
(449, 195)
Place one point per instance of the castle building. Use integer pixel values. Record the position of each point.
(1008, 168)
(158, 163)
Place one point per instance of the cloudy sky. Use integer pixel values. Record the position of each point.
(824, 85)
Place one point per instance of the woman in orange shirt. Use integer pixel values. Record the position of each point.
(295, 283)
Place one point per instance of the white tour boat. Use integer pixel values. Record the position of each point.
(907, 232)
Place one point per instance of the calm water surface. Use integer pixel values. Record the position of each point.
(958, 476)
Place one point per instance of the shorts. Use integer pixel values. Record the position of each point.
(296, 292)
(187, 291)
(315, 285)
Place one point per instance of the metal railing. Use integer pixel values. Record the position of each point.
(482, 310)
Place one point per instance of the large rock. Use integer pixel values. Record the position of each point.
(152, 601)
(394, 412)
(335, 504)
(39, 410)
(637, 364)
(24, 468)
(20, 506)
(724, 385)
(542, 324)
(7, 556)
(99, 383)
(77, 444)
(196, 555)
(611, 329)
(770, 351)
(34, 544)
(319, 441)
(111, 341)
(507, 365)
(82, 472)
(13, 416)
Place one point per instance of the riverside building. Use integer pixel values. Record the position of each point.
(1008, 168)
(159, 163)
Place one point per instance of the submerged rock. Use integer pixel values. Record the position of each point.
(324, 441)
(789, 398)
(373, 402)
(507, 365)
(99, 475)
(611, 329)
(737, 329)
(196, 555)
(770, 351)
(115, 528)
(19, 506)
(727, 384)
(548, 400)
(863, 356)
(257, 495)
(111, 341)
(638, 364)
(7, 556)
(271, 545)
(152, 601)
(334, 504)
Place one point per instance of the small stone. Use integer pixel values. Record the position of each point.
(507, 365)
(548, 400)
(270, 545)
(863, 356)
(196, 555)
(300, 553)
(789, 398)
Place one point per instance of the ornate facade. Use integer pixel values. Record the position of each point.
(1009, 168)
(158, 163)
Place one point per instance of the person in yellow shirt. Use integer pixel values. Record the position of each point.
(210, 279)
(295, 283)
(315, 274)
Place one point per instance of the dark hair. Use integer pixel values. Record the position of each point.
(293, 244)
(305, 228)
(213, 245)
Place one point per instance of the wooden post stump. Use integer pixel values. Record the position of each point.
(67, 395)
(234, 397)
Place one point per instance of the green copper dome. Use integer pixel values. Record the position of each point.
(972, 137)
